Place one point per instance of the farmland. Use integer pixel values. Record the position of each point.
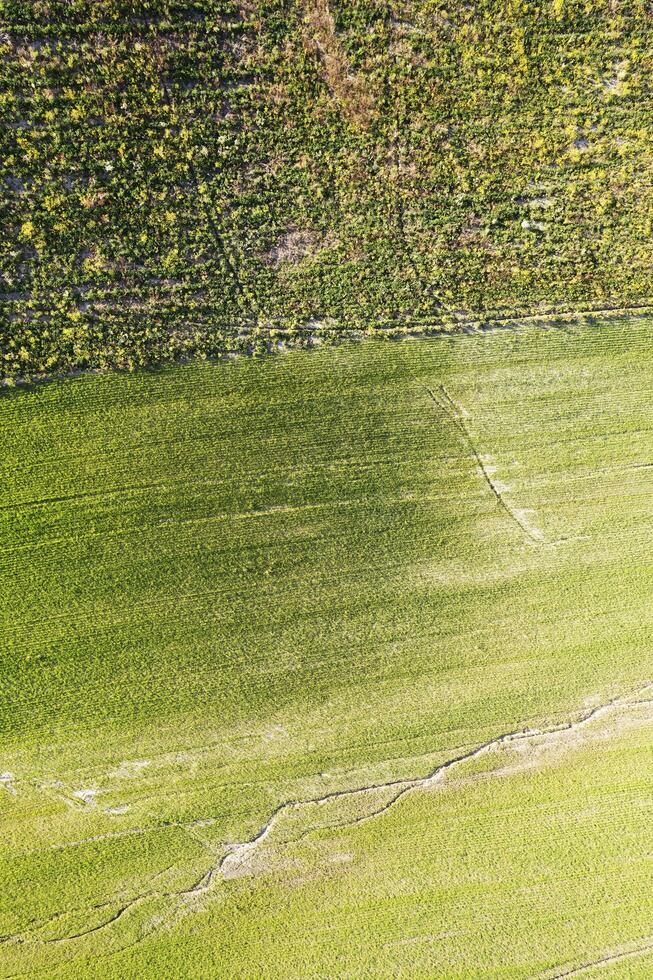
(183, 179)
(333, 663)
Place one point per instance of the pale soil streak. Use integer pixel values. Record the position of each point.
(234, 862)
(447, 405)
(632, 709)
(128, 832)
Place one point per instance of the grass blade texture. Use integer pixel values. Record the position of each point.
(332, 664)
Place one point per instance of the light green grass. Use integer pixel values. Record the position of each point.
(229, 586)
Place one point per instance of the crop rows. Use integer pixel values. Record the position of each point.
(270, 626)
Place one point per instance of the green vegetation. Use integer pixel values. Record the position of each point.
(335, 664)
(184, 178)
(281, 593)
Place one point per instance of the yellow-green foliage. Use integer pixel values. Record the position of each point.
(184, 178)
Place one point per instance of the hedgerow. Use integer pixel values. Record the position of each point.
(187, 178)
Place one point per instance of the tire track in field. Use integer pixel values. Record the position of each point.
(407, 249)
(447, 405)
(645, 946)
(85, 495)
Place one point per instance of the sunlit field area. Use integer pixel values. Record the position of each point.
(335, 663)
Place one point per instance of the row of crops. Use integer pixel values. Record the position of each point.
(184, 178)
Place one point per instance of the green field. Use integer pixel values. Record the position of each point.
(332, 664)
(184, 177)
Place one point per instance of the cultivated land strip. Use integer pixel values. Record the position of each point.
(380, 545)
(235, 861)
(517, 176)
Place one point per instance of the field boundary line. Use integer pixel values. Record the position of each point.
(280, 338)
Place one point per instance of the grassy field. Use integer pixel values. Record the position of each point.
(332, 664)
(184, 177)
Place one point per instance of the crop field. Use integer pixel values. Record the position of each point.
(183, 177)
(335, 663)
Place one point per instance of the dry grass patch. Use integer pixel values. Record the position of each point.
(349, 91)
